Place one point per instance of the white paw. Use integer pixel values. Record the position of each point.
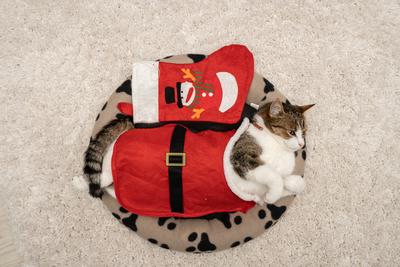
(258, 200)
(80, 183)
(271, 197)
(295, 184)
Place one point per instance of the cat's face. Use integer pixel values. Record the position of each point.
(286, 121)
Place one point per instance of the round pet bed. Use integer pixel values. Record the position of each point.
(208, 233)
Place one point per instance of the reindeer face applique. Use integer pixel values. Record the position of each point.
(190, 93)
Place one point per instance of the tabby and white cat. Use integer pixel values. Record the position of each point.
(264, 153)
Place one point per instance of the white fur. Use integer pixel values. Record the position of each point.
(246, 190)
(145, 91)
(80, 183)
(272, 180)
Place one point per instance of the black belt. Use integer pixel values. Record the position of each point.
(175, 160)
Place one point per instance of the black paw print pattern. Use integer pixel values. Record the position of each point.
(204, 245)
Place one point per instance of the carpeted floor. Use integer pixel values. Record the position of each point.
(60, 60)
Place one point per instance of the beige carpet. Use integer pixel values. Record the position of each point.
(60, 60)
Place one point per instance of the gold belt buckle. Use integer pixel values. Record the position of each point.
(175, 154)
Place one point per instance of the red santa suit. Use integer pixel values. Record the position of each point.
(170, 171)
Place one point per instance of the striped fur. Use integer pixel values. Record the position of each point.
(93, 160)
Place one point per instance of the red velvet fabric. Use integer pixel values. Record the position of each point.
(141, 175)
(234, 60)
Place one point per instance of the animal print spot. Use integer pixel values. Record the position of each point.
(268, 87)
(238, 220)
(121, 209)
(262, 214)
(116, 216)
(276, 212)
(205, 244)
(120, 116)
(104, 106)
(247, 239)
(235, 244)
(196, 57)
(130, 222)
(223, 217)
(265, 97)
(268, 225)
(164, 246)
(165, 58)
(125, 87)
(153, 241)
(162, 220)
(171, 226)
(190, 249)
(295, 154)
(304, 154)
(98, 116)
(192, 237)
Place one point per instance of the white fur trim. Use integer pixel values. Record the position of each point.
(145, 91)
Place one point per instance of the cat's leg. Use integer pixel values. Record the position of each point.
(294, 183)
(254, 189)
(266, 176)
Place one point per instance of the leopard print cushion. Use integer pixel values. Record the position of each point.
(207, 233)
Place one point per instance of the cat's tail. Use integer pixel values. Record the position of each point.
(93, 159)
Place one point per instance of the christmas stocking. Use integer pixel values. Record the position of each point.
(212, 90)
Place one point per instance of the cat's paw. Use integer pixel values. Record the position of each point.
(271, 197)
(95, 190)
(80, 183)
(257, 199)
(294, 183)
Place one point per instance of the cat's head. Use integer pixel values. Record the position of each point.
(286, 121)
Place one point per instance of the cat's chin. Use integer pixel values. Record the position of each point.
(292, 145)
(292, 149)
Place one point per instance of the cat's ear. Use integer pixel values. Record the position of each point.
(276, 109)
(304, 108)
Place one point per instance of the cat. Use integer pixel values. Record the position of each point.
(265, 153)
(94, 155)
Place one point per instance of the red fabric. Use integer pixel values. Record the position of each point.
(125, 108)
(236, 60)
(141, 175)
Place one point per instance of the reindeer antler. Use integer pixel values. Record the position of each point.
(197, 113)
(188, 74)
